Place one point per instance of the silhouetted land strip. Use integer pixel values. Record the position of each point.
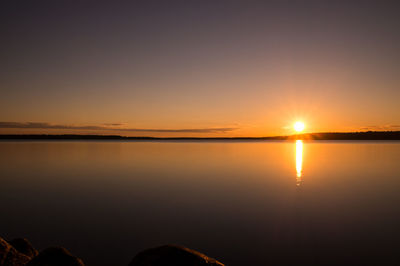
(370, 135)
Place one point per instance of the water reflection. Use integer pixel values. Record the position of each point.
(157, 192)
(299, 161)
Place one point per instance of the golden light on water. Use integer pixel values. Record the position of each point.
(299, 160)
(299, 126)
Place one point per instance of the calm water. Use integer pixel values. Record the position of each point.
(244, 203)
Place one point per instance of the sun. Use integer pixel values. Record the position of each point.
(299, 126)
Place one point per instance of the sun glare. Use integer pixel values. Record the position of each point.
(299, 126)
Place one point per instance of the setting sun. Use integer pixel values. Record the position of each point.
(299, 126)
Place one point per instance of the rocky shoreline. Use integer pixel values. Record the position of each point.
(20, 252)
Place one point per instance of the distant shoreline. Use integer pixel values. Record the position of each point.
(370, 135)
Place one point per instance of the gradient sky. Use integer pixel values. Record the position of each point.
(199, 68)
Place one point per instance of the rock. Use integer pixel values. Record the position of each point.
(55, 256)
(24, 247)
(9, 256)
(172, 255)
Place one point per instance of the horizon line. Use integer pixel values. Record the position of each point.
(354, 135)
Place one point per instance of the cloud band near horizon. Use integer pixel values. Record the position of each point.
(40, 125)
(380, 128)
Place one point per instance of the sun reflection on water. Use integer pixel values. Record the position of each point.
(299, 161)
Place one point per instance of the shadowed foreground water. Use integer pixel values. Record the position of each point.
(243, 203)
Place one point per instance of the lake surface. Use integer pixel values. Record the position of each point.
(243, 203)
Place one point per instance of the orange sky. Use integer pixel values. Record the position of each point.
(206, 70)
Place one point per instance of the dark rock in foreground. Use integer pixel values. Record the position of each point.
(55, 256)
(24, 247)
(9, 256)
(172, 255)
(20, 252)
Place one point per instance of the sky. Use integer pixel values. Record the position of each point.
(207, 68)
